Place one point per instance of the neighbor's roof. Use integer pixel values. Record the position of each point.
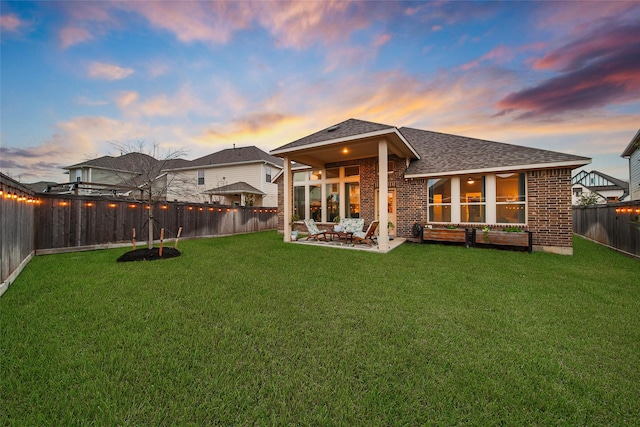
(230, 156)
(236, 187)
(450, 154)
(633, 145)
(130, 162)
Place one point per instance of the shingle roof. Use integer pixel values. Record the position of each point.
(236, 187)
(442, 153)
(235, 155)
(132, 162)
(620, 183)
(345, 129)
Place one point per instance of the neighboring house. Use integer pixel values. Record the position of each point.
(632, 152)
(607, 188)
(40, 186)
(117, 175)
(427, 178)
(236, 176)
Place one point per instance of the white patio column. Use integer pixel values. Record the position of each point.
(287, 199)
(383, 192)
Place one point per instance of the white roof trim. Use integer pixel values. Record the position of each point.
(629, 150)
(349, 138)
(500, 169)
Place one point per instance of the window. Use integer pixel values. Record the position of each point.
(298, 202)
(577, 191)
(200, 176)
(333, 201)
(352, 171)
(268, 174)
(315, 202)
(333, 173)
(510, 198)
(327, 193)
(472, 199)
(440, 200)
(478, 199)
(352, 199)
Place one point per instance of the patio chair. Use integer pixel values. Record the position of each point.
(314, 232)
(366, 236)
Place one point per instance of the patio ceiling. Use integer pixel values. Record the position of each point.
(348, 148)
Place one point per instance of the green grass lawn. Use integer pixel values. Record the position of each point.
(247, 330)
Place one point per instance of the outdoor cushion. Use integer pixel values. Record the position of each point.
(314, 231)
(351, 225)
(366, 236)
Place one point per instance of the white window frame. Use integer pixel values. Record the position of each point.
(490, 203)
(322, 182)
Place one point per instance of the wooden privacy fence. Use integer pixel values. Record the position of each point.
(17, 246)
(615, 224)
(71, 221)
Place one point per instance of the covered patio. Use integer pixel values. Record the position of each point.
(340, 244)
(347, 143)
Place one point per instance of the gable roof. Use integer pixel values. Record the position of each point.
(130, 162)
(607, 182)
(348, 128)
(445, 154)
(358, 138)
(230, 156)
(236, 187)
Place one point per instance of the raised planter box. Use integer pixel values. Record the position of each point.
(503, 238)
(457, 235)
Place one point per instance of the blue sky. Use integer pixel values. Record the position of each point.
(77, 77)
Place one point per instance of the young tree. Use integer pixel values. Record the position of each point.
(142, 170)
(590, 198)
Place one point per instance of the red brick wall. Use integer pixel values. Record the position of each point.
(548, 201)
(549, 207)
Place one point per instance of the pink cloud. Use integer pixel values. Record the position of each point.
(599, 68)
(70, 36)
(382, 40)
(499, 55)
(101, 70)
(10, 22)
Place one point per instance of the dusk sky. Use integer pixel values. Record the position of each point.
(201, 76)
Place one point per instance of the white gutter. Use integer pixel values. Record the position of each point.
(498, 169)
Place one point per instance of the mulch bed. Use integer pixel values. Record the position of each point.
(149, 254)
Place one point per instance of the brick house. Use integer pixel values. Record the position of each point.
(427, 178)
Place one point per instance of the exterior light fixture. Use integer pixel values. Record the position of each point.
(345, 150)
(470, 181)
(112, 205)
